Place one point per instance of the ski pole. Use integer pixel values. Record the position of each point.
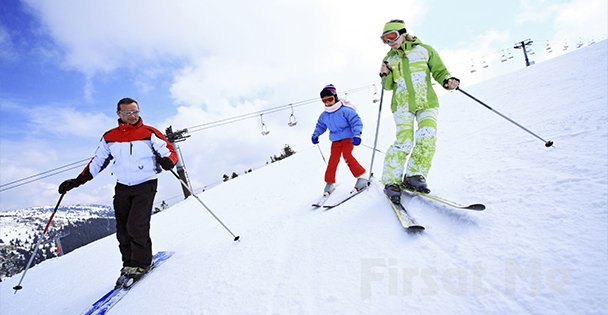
(547, 143)
(236, 237)
(29, 263)
(371, 173)
(318, 147)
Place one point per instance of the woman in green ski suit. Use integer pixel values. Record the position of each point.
(408, 67)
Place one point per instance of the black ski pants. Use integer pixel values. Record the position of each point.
(133, 211)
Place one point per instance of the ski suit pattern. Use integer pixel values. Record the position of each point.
(425, 143)
(413, 100)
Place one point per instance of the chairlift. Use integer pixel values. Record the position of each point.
(473, 70)
(566, 46)
(503, 58)
(509, 55)
(484, 64)
(264, 128)
(548, 48)
(579, 44)
(375, 95)
(292, 119)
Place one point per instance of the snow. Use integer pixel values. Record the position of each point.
(541, 246)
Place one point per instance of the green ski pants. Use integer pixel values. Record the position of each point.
(421, 144)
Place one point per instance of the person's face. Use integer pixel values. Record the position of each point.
(329, 100)
(129, 113)
(396, 44)
(393, 38)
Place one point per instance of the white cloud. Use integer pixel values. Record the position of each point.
(582, 19)
(66, 121)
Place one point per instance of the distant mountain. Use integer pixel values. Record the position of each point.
(72, 227)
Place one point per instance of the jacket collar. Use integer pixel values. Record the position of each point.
(125, 126)
(333, 108)
(409, 43)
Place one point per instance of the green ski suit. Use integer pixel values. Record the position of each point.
(413, 100)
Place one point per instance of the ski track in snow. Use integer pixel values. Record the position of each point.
(540, 247)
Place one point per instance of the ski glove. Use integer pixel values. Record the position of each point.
(68, 185)
(165, 163)
(315, 139)
(356, 141)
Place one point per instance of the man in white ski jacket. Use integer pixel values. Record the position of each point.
(137, 153)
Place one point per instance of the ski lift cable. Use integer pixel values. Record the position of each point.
(40, 174)
(42, 177)
(265, 111)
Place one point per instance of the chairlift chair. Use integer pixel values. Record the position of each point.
(503, 58)
(292, 119)
(375, 95)
(264, 128)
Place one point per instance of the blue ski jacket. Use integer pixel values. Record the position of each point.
(342, 124)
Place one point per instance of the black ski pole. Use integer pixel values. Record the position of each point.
(371, 173)
(547, 143)
(29, 263)
(236, 237)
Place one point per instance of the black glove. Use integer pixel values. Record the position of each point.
(68, 185)
(166, 163)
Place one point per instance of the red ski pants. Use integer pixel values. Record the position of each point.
(344, 148)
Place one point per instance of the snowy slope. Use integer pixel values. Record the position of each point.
(541, 247)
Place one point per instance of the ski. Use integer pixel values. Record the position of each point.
(110, 299)
(350, 196)
(475, 206)
(406, 220)
(321, 201)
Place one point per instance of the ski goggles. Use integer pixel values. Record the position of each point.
(390, 36)
(328, 100)
(128, 112)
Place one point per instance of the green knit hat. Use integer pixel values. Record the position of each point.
(395, 25)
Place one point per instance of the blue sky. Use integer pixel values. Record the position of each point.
(64, 64)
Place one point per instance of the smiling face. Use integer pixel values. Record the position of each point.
(129, 113)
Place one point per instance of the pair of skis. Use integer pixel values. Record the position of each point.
(110, 299)
(321, 202)
(406, 220)
(410, 224)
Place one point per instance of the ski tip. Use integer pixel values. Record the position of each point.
(477, 206)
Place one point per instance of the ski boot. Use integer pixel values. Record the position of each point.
(134, 275)
(124, 276)
(329, 188)
(416, 183)
(361, 183)
(393, 192)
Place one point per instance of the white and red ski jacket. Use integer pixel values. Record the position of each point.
(133, 151)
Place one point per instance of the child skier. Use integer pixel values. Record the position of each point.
(345, 132)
